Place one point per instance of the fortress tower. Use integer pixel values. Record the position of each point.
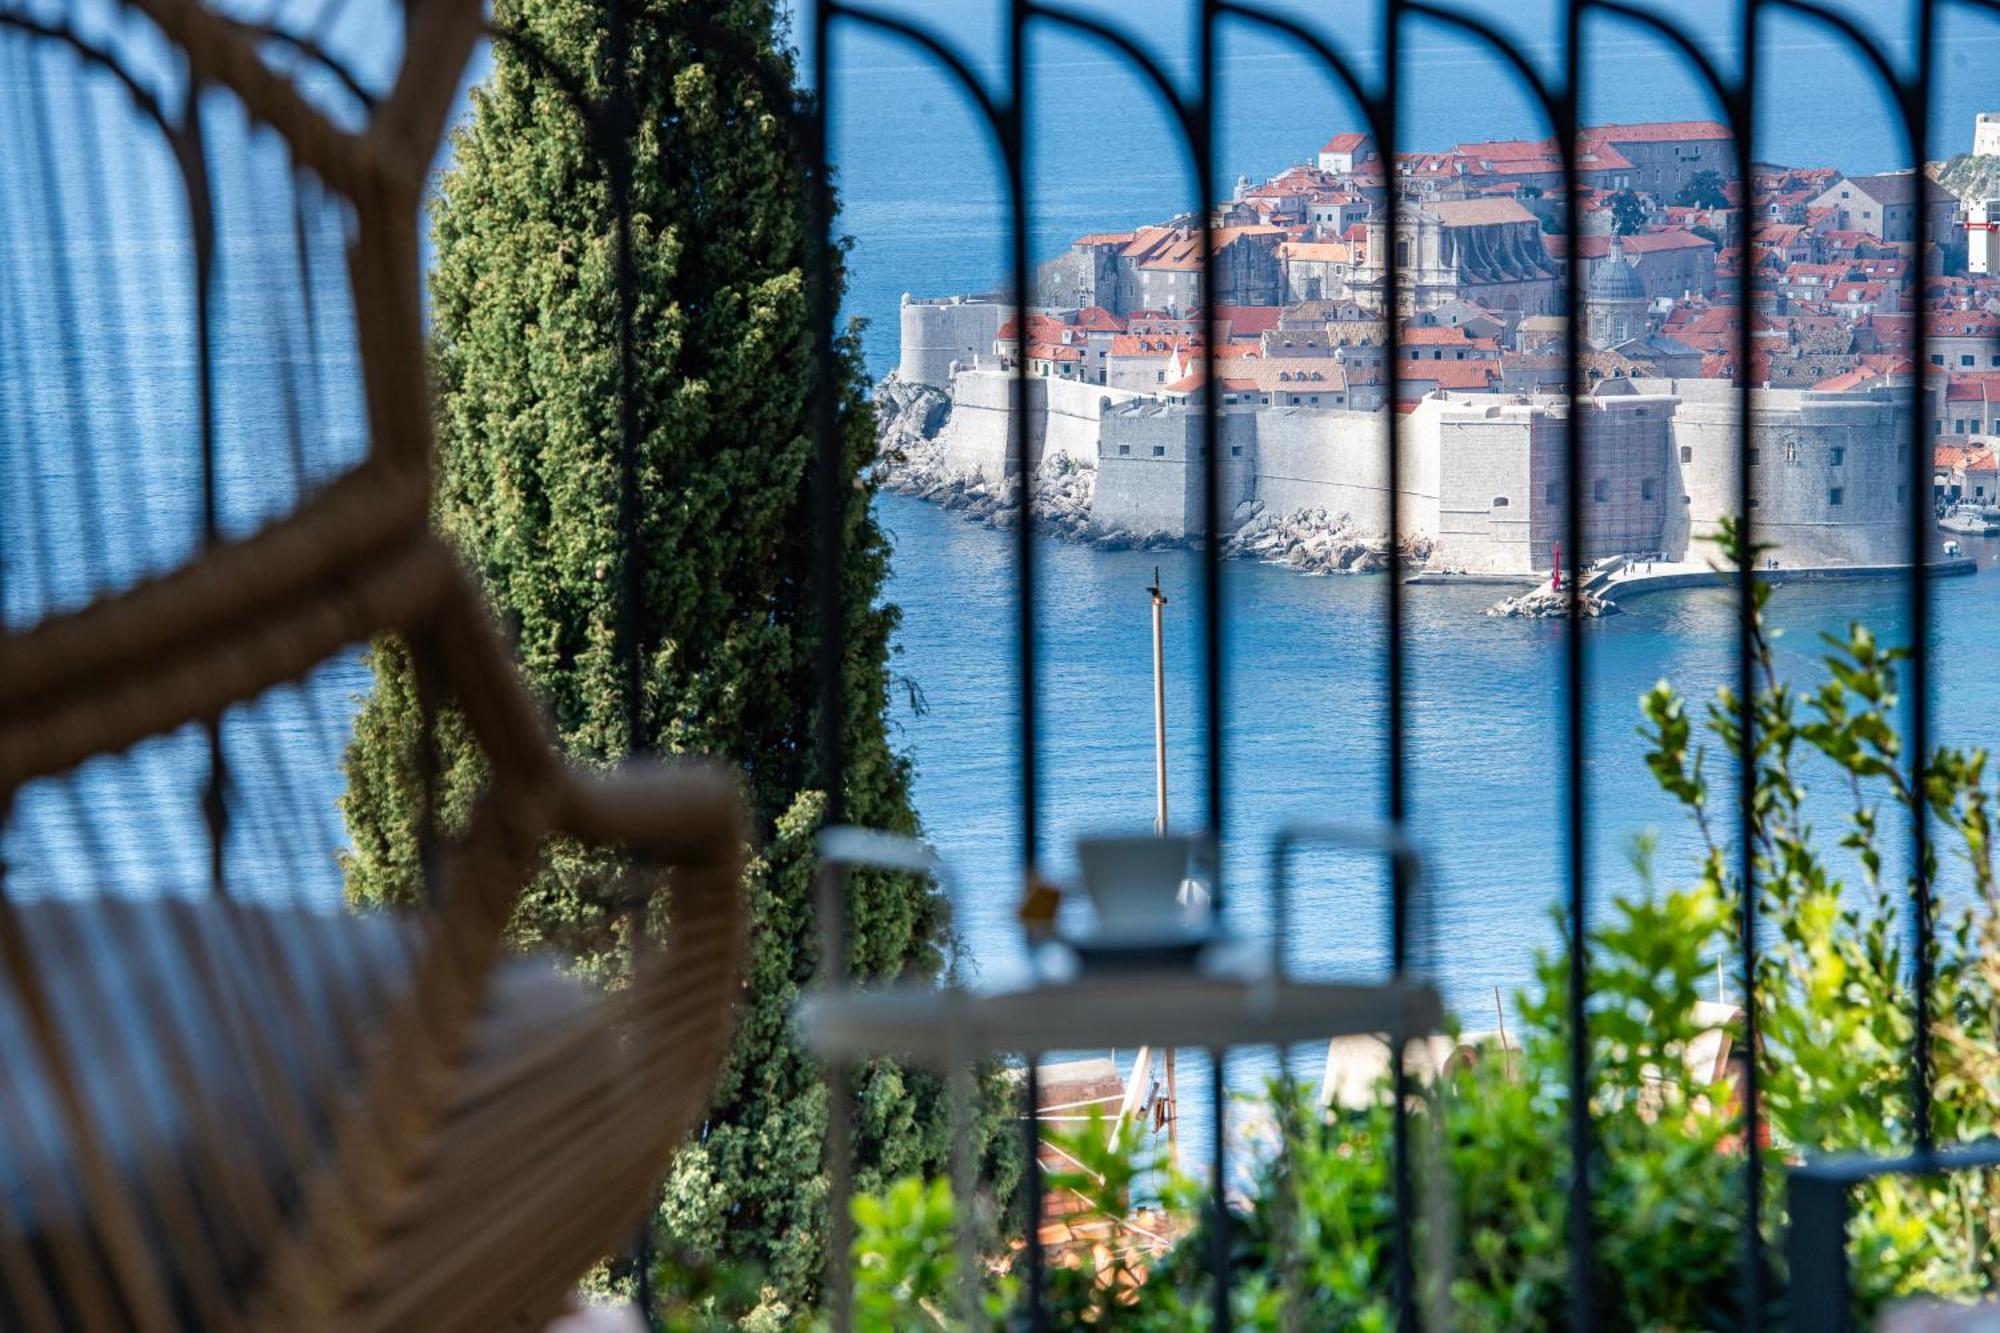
(1986, 134)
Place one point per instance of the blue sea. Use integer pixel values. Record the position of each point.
(923, 201)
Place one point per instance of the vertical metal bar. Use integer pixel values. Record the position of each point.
(964, 1182)
(1583, 1307)
(1031, 1182)
(1915, 98)
(1202, 143)
(1387, 116)
(1014, 146)
(828, 499)
(1219, 1222)
(616, 137)
(1816, 1253)
(828, 502)
(1744, 123)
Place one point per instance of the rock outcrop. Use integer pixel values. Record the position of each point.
(1543, 602)
(1315, 541)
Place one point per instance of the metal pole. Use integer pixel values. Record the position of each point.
(1159, 705)
(1160, 811)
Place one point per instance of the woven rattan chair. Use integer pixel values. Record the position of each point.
(225, 1114)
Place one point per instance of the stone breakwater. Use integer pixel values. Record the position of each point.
(1543, 602)
(910, 460)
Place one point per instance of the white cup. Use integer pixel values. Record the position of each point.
(1139, 885)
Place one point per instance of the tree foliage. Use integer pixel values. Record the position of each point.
(1704, 189)
(525, 302)
(1628, 212)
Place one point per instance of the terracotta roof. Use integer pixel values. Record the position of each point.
(1965, 323)
(1345, 143)
(1452, 374)
(1096, 319)
(1659, 131)
(1041, 328)
(1316, 252)
(1477, 212)
(1247, 321)
(1104, 238)
(1442, 337)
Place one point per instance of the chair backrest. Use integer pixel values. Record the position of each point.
(223, 1103)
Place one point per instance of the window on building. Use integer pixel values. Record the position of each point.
(1937, 358)
(1648, 488)
(1159, 451)
(1124, 451)
(1159, 377)
(1836, 456)
(1687, 499)
(1756, 503)
(1499, 502)
(1315, 400)
(1236, 451)
(1601, 490)
(1687, 453)
(1965, 360)
(1838, 495)
(1552, 493)
(1754, 455)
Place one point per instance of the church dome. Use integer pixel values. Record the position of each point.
(1615, 279)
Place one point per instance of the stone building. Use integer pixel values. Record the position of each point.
(1885, 206)
(1487, 251)
(1666, 155)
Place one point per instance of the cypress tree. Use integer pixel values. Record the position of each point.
(525, 308)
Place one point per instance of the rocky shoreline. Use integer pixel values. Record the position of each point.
(910, 461)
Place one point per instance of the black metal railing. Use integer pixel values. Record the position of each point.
(1817, 1191)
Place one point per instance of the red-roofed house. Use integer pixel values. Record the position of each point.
(1855, 299)
(1446, 344)
(1885, 206)
(1965, 339)
(1424, 377)
(1343, 154)
(1666, 155)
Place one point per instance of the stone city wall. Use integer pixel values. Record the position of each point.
(978, 438)
(1483, 475)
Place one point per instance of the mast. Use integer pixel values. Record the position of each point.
(1159, 705)
(1173, 1107)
